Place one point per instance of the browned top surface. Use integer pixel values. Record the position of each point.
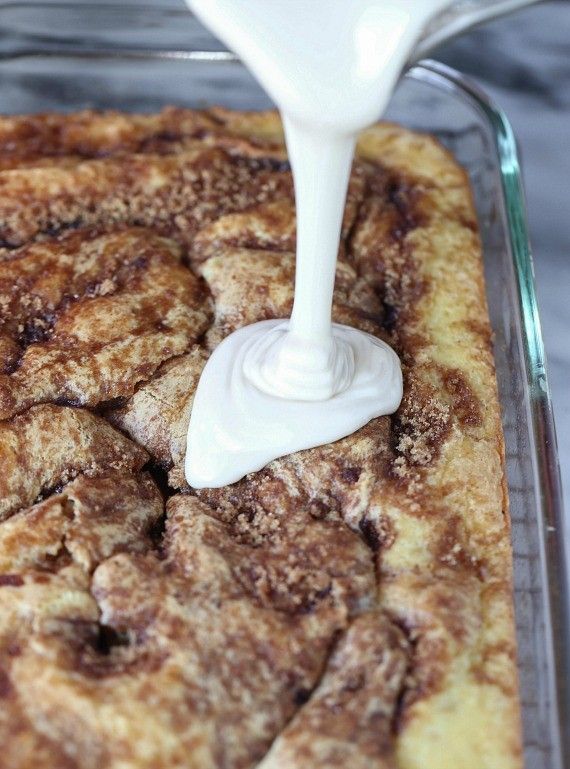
(350, 605)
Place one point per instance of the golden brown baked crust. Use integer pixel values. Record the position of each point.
(350, 605)
(48, 446)
(89, 316)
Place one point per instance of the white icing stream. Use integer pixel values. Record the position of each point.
(280, 386)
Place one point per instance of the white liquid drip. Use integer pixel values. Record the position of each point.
(308, 362)
(281, 386)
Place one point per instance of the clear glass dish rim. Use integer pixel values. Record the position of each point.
(548, 483)
(548, 487)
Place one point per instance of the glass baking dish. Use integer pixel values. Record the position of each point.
(71, 56)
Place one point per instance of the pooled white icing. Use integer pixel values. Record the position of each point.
(281, 386)
(228, 435)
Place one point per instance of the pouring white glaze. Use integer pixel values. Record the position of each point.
(280, 386)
